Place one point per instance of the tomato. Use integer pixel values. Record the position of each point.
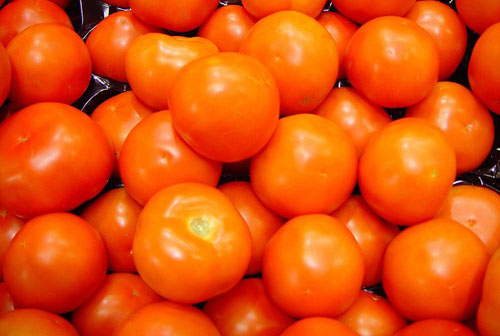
(488, 323)
(259, 8)
(446, 29)
(246, 310)
(436, 327)
(225, 106)
(120, 295)
(5, 74)
(118, 3)
(179, 16)
(109, 41)
(299, 53)
(114, 215)
(435, 270)
(191, 244)
(318, 326)
(35, 322)
(153, 61)
(9, 227)
(167, 318)
(485, 79)
(21, 14)
(372, 234)
(261, 222)
(392, 61)
(54, 263)
(364, 10)
(308, 166)
(6, 304)
(356, 115)
(154, 157)
(341, 29)
(227, 27)
(61, 3)
(479, 14)
(37, 56)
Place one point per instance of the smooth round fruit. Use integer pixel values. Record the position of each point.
(9, 227)
(5, 74)
(6, 304)
(436, 327)
(318, 326)
(259, 8)
(34, 322)
(362, 11)
(479, 14)
(487, 320)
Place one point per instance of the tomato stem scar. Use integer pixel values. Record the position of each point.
(200, 227)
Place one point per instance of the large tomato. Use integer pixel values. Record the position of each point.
(364, 10)
(259, 8)
(299, 53)
(318, 326)
(225, 106)
(35, 322)
(9, 227)
(487, 314)
(5, 74)
(479, 14)
(436, 327)
(6, 304)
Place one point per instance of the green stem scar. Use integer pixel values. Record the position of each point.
(201, 227)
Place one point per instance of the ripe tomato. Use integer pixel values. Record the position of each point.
(364, 10)
(225, 106)
(191, 244)
(435, 270)
(153, 61)
(9, 227)
(120, 295)
(5, 74)
(488, 323)
(35, 322)
(318, 326)
(479, 14)
(34, 157)
(117, 3)
(61, 3)
(154, 157)
(109, 41)
(54, 263)
(6, 304)
(485, 79)
(21, 14)
(301, 260)
(356, 115)
(246, 310)
(436, 327)
(372, 234)
(259, 8)
(392, 61)
(227, 27)
(464, 120)
(179, 16)
(299, 53)
(261, 222)
(167, 318)
(37, 56)
(308, 166)
(114, 215)
(446, 29)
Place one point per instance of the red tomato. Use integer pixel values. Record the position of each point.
(40, 172)
(260, 8)
(356, 115)
(483, 77)
(225, 106)
(436, 327)
(308, 166)
(61, 3)
(21, 14)
(435, 270)
(35, 322)
(117, 3)
(153, 61)
(6, 304)
(227, 27)
(364, 10)
(5, 74)
(179, 16)
(167, 318)
(446, 29)
(191, 244)
(488, 323)
(120, 295)
(479, 14)
(37, 56)
(154, 157)
(246, 310)
(114, 215)
(318, 326)
(54, 263)
(9, 227)
(299, 53)
(392, 61)
(261, 222)
(110, 39)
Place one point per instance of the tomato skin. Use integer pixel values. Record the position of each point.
(6, 304)
(35, 322)
(5, 74)
(9, 227)
(120, 295)
(299, 53)
(436, 327)
(487, 313)
(318, 326)
(479, 14)
(362, 11)
(154, 156)
(260, 9)
(85, 157)
(118, 3)
(435, 270)
(246, 310)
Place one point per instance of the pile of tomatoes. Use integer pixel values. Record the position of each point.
(274, 168)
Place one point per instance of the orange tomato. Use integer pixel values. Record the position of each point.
(9, 227)
(6, 304)
(35, 322)
(5, 74)
(436, 327)
(260, 8)
(487, 320)
(479, 14)
(318, 326)
(365, 10)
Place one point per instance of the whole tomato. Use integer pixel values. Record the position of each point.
(487, 320)
(5, 74)
(9, 227)
(259, 8)
(53, 158)
(479, 14)
(436, 327)
(6, 304)
(35, 322)
(318, 326)
(362, 11)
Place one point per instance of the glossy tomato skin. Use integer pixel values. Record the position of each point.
(487, 313)
(299, 53)
(362, 11)
(54, 263)
(9, 227)
(479, 14)
(436, 327)
(167, 318)
(6, 304)
(120, 295)
(5, 74)
(225, 106)
(483, 78)
(259, 9)
(308, 166)
(392, 61)
(118, 3)
(435, 270)
(319, 326)
(114, 215)
(153, 61)
(35, 322)
(154, 156)
(31, 150)
(191, 244)
(246, 310)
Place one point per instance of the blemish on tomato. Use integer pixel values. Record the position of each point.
(3, 213)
